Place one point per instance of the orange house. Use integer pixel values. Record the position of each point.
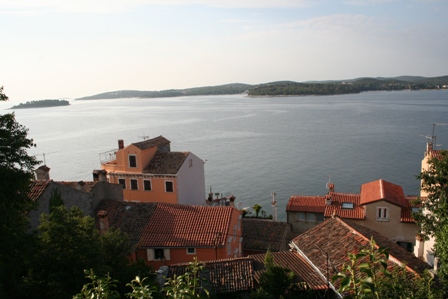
(150, 172)
(164, 234)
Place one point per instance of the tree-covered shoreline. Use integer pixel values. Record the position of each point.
(289, 88)
(41, 104)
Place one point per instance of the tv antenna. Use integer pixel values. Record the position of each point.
(144, 136)
(434, 137)
(43, 154)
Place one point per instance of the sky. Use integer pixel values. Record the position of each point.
(68, 49)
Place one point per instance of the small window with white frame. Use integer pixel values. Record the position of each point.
(382, 214)
(191, 250)
(147, 185)
(134, 184)
(132, 161)
(169, 186)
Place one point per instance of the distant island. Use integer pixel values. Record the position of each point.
(290, 88)
(41, 104)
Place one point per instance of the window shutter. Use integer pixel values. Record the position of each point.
(150, 254)
(166, 253)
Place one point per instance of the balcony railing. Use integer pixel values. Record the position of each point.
(108, 156)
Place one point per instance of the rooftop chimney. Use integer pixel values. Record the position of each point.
(104, 221)
(99, 175)
(120, 144)
(43, 173)
(428, 148)
(328, 199)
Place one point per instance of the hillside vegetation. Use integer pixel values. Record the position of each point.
(41, 104)
(289, 88)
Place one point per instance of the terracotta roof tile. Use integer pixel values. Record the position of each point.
(312, 204)
(259, 234)
(336, 238)
(157, 141)
(225, 276)
(37, 188)
(296, 263)
(129, 217)
(174, 225)
(166, 163)
(317, 204)
(382, 190)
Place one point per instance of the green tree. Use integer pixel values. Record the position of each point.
(433, 221)
(257, 209)
(67, 243)
(367, 276)
(98, 288)
(276, 281)
(16, 171)
(187, 285)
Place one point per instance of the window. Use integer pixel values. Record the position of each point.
(159, 254)
(320, 217)
(347, 205)
(310, 217)
(134, 184)
(382, 214)
(190, 163)
(407, 245)
(132, 161)
(169, 187)
(191, 250)
(147, 185)
(300, 216)
(122, 182)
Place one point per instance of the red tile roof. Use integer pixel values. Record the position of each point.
(336, 238)
(169, 225)
(317, 204)
(174, 225)
(37, 188)
(382, 190)
(129, 217)
(225, 276)
(370, 192)
(296, 263)
(311, 204)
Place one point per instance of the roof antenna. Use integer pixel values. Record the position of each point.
(144, 136)
(434, 137)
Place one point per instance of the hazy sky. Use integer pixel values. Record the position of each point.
(67, 49)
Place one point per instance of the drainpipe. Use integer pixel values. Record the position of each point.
(317, 269)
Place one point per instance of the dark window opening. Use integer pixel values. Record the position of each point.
(147, 185)
(122, 182)
(169, 187)
(158, 254)
(134, 185)
(132, 161)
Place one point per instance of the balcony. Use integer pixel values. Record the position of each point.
(108, 156)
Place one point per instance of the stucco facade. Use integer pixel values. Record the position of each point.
(150, 172)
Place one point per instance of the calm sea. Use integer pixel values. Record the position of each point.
(254, 146)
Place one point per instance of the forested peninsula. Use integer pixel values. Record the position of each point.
(290, 88)
(41, 104)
